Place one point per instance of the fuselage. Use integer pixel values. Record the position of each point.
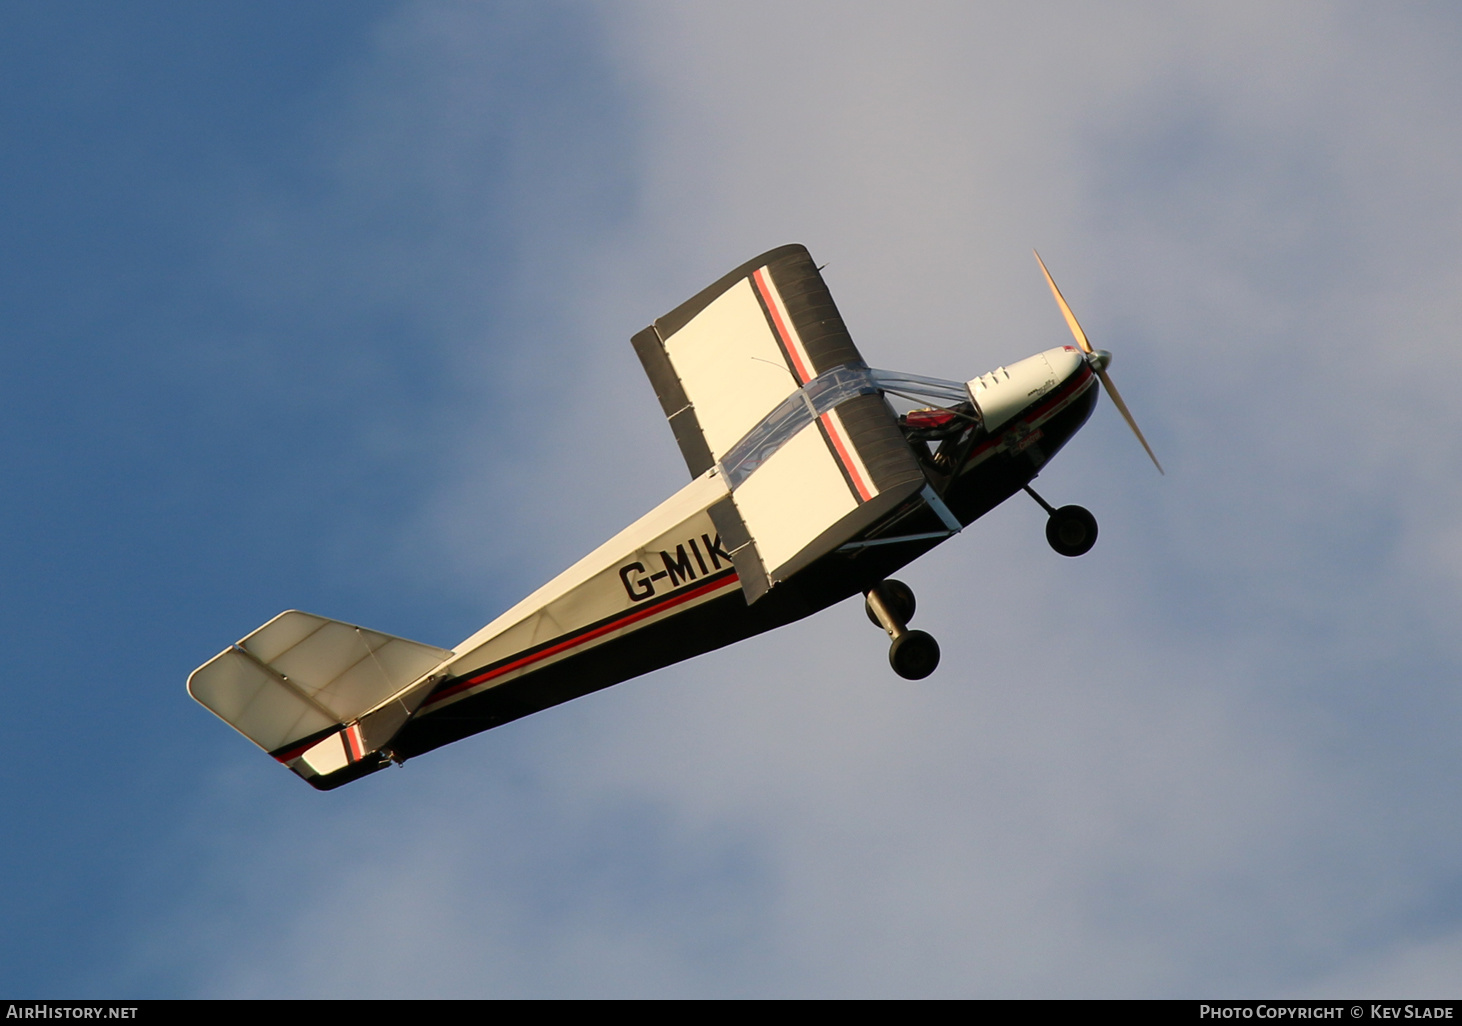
(664, 589)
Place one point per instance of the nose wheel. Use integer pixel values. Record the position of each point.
(1071, 530)
(913, 655)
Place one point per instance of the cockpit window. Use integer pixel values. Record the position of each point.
(813, 399)
(947, 402)
(919, 390)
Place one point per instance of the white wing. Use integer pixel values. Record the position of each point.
(761, 381)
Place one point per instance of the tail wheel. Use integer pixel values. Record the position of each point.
(1072, 531)
(914, 655)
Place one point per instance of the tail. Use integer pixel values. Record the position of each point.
(321, 696)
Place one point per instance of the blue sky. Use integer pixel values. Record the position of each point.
(328, 307)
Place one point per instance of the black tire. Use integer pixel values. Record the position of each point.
(900, 599)
(1072, 531)
(914, 655)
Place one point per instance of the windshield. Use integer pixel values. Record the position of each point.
(827, 391)
(920, 391)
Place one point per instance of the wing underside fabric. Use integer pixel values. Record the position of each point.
(761, 382)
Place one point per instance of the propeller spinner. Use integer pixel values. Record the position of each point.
(1099, 359)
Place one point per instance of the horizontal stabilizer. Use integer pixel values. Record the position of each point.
(304, 678)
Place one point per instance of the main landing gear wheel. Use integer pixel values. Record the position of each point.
(899, 598)
(1072, 531)
(913, 655)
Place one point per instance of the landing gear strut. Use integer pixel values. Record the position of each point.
(1071, 530)
(914, 654)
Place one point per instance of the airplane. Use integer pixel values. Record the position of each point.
(807, 488)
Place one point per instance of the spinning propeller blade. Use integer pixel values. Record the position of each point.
(1099, 364)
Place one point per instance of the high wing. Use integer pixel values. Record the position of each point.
(762, 384)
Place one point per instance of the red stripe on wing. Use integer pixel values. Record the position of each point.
(860, 482)
(804, 372)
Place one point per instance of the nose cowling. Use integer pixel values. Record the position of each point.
(1006, 391)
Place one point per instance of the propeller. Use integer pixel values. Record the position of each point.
(1100, 358)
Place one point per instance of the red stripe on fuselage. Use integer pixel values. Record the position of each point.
(355, 742)
(295, 753)
(1039, 413)
(563, 646)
